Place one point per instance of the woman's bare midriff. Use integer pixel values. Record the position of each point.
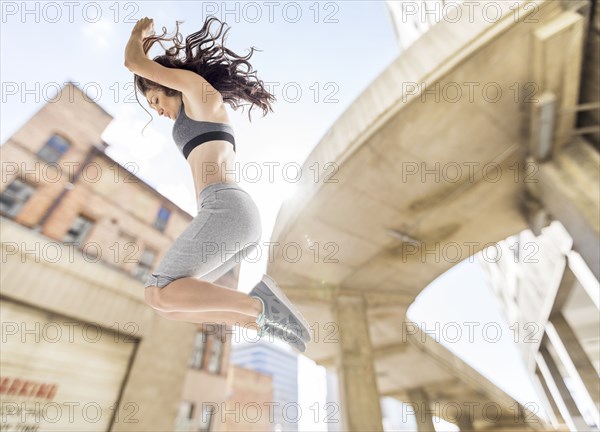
(211, 161)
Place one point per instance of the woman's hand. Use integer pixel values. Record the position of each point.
(144, 27)
(134, 51)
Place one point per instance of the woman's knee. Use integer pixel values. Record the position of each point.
(153, 298)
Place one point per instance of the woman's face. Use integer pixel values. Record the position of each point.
(167, 106)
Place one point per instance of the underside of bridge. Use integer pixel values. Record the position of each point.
(428, 166)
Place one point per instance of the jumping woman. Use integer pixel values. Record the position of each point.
(192, 90)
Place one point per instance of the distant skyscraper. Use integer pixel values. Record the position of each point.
(265, 357)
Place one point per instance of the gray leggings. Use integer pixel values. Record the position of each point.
(226, 229)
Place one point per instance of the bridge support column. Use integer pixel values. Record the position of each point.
(575, 360)
(359, 396)
(556, 418)
(464, 422)
(559, 390)
(423, 413)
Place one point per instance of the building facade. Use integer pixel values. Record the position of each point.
(80, 233)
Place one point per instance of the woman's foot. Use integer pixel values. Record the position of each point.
(278, 310)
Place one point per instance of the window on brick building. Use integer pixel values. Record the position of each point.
(145, 264)
(54, 148)
(198, 352)
(14, 196)
(185, 417)
(186, 410)
(214, 359)
(206, 418)
(161, 218)
(78, 230)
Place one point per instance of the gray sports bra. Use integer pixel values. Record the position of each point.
(189, 133)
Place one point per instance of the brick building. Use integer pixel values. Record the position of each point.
(248, 407)
(80, 233)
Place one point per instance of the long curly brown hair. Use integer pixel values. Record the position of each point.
(217, 64)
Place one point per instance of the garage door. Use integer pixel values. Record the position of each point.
(60, 374)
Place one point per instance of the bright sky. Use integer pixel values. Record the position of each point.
(316, 63)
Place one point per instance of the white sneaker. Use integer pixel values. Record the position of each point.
(278, 310)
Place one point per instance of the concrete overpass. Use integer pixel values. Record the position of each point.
(428, 166)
